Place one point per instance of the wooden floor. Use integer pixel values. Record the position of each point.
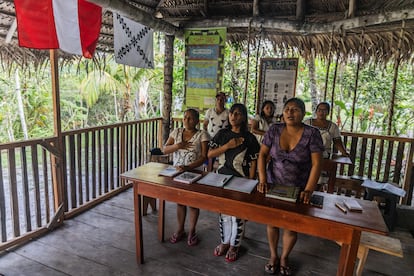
(101, 242)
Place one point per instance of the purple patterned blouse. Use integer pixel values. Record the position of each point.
(291, 168)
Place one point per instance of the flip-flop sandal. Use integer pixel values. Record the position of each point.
(192, 239)
(177, 237)
(232, 254)
(221, 249)
(285, 270)
(271, 268)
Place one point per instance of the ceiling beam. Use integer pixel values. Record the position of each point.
(11, 31)
(140, 16)
(304, 28)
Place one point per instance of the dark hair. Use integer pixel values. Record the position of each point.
(242, 108)
(266, 103)
(195, 112)
(328, 106)
(298, 102)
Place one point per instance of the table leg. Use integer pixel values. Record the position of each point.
(138, 226)
(161, 220)
(348, 255)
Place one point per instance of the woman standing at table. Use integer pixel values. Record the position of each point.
(329, 130)
(295, 151)
(237, 150)
(189, 146)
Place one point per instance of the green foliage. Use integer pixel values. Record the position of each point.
(92, 94)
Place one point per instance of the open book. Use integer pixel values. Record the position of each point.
(385, 187)
(283, 192)
(169, 171)
(241, 184)
(188, 177)
(215, 179)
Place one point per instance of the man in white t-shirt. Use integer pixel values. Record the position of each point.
(216, 118)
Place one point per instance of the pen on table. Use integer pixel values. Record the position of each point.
(224, 180)
(340, 207)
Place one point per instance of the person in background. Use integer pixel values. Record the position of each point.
(237, 150)
(262, 121)
(329, 130)
(295, 152)
(216, 118)
(189, 146)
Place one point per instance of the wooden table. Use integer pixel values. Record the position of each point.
(328, 222)
(330, 166)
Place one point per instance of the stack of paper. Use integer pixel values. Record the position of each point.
(169, 171)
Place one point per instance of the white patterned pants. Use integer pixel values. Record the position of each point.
(231, 230)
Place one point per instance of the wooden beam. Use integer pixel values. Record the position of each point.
(256, 10)
(304, 28)
(351, 8)
(11, 31)
(140, 16)
(300, 10)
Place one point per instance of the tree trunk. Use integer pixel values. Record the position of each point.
(168, 80)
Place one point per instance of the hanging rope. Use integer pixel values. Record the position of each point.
(246, 85)
(361, 48)
(394, 81)
(328, 65)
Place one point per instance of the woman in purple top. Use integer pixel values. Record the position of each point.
(295, 151)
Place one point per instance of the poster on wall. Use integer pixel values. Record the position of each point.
(203, 66)
(277, 81)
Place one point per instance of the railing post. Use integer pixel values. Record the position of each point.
(122, 151)
(408, 177)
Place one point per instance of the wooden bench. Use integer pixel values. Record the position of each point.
(380, 243)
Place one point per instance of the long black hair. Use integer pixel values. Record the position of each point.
(263, 106)
(242, 108)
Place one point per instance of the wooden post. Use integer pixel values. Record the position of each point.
(328, 65)
(168, 80)
(394, 81)
(246, 84)
(57, 162)
(360, 53)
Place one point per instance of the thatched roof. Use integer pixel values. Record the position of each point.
(373, 28)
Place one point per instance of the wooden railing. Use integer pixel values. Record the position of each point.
(381, 158)
(92, 160)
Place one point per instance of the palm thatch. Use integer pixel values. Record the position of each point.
(378, 30)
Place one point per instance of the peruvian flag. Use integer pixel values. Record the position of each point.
(70, 25)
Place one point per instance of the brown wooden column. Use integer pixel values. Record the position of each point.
(168, 80)
(56, 155)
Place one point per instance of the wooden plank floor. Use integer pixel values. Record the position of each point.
(101, 242)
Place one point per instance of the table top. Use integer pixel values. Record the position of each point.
(370, 219)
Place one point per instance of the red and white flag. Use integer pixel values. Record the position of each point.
(70, 25)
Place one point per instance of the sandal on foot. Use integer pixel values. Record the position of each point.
(232, 254)
(285, 270)
(192, 239)
(221, 249)
(177, 237)
(271, 269)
